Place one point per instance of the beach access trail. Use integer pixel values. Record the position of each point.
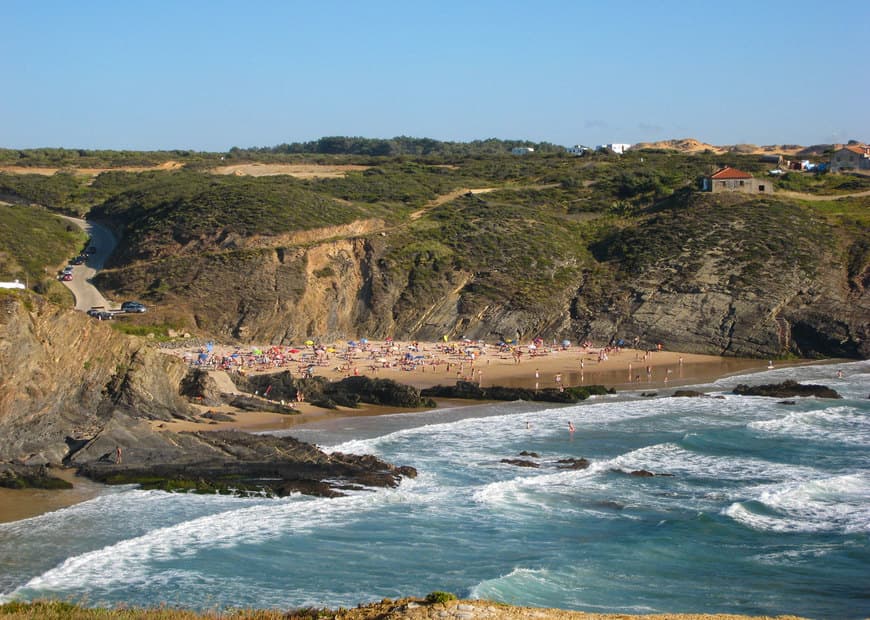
(103, 240)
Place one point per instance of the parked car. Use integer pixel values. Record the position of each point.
(100, 313)
(67, 269)
(66, 277)
(78, 260)
(133, 306)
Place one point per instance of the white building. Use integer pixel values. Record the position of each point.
(15, 284)
(617, 148)
(578, 149)
(522, 150)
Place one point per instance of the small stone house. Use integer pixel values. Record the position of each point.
(851, 157)
(730, 179)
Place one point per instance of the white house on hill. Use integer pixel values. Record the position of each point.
(615, 147)
(577, 149)
(522, 150)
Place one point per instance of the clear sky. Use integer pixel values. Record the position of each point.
(209, 75)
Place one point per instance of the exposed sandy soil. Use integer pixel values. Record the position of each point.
(302, 171)
(168, 165)
(690, 145)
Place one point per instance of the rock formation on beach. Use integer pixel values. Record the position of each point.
(786, 389)
(76, 392)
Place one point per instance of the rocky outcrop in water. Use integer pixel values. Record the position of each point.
(235, 462)
(786, 389)
(473, 391)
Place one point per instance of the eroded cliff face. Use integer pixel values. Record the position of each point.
(784, 312)
(723, 278)
(64, 377)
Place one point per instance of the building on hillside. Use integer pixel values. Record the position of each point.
(14, 284)
(522, 150)
(614, 147)
(578, 149)
(851, 157)
(776, 160)
(730, 179)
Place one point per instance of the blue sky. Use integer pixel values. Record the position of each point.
(209, 75)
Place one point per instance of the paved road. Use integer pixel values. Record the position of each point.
(86, 294)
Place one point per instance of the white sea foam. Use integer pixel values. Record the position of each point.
(844, 424)
(833, 504)
(126, 562)
(670, 458)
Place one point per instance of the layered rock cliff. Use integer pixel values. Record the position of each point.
(74, 391)
(723, 275)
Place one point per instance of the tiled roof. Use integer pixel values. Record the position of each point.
(860, 150)
(730, 173)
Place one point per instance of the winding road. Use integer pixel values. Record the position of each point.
(86, 294)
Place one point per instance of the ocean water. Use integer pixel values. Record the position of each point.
(765, 510)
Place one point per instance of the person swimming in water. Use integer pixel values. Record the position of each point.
(571, 427)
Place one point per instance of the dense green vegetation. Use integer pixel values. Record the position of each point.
(541, 225)
(84, 158)
(824, 183)
(754, 235)
(34, 243)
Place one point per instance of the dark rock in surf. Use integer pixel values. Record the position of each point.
(641, 473)
(572, 463)
(472, 391)
(687, 394)
(240, 463)
(786, 389)
(519, 463)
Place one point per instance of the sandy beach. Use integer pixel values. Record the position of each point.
(418, 364)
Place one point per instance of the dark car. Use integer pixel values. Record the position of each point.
(78, 260)
(100, 314)
(133, 306)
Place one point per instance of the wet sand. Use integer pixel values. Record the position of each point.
(17, 504)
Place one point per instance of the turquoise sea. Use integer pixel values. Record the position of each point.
(765, 510)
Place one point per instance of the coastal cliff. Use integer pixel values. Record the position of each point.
(723, 276)
(75, 392)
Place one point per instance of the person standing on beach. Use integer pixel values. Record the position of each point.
(117, 455)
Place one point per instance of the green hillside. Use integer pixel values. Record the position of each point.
(474, 241)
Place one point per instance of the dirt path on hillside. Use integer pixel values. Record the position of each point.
(820, 197)
(440, 200)
(49, 171)
(301, 171)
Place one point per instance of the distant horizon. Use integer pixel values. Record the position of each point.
(566, 146)
(208, 75)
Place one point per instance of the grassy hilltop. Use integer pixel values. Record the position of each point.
(418, 238)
